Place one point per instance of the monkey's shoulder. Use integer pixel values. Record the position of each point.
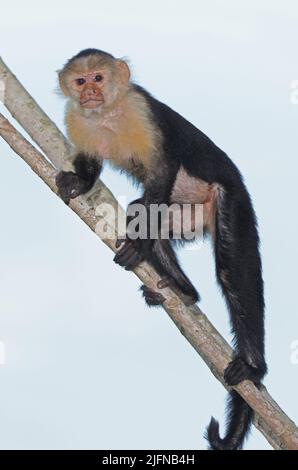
(177, 131)
(185, 144)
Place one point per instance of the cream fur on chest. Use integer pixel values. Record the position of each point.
(119, 135)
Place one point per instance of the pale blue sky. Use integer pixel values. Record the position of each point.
(87, 364)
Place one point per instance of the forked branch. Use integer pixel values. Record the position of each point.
(274, 424)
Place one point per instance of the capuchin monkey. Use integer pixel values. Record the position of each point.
(111, 118)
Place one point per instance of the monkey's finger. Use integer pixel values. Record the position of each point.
(147, 291)
(131, 260)
(127, 246)
(134, 261)
(237, 361)
(152, 298)
(64, 196)
(238, 370)
(123, 256)
(151, 293)
(164, 282)
(123, 249)
(65, 178)
(59, 178)
(129, 256)
(119, 242)
(235, 372)
(235, 379)
(75, 192)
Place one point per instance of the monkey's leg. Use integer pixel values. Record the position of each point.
(162, 257)
(160, 254)
(238, 268)
(72, 184)
(164, 260)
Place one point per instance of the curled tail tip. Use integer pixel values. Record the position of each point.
(213, 437)
(239, 421)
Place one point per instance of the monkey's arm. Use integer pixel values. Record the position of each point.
(72, 184)
(157, 190)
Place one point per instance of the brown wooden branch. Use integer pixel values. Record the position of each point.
(274, 424)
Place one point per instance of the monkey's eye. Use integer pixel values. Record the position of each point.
(98, 78)
(81, 81)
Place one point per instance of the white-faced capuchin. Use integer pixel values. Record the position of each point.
(111, 118)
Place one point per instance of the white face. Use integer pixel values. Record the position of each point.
(94, 86)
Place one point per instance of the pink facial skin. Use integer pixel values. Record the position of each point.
(90, 88)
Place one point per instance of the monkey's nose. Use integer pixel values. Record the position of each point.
(91, 96)
(91, 92)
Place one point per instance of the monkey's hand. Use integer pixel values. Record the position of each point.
(132, 252)
(70, 185)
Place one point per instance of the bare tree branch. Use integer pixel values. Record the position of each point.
(275, 425)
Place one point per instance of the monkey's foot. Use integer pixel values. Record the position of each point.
(181, 285)
(188, 297)
(70, 185)
(238, 370)
(152, 298)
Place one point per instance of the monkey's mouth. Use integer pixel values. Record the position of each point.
(91, 103)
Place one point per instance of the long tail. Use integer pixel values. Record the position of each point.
(239, 419)
(238, 269)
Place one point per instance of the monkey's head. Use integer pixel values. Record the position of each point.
(94, 79)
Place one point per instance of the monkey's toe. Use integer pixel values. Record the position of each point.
(133, 262)
(238, 370)
(190, 292)
(165, 281)
(182, 286)
(189, 297)
(152, 298)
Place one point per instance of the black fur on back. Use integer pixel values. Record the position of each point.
(236, 249)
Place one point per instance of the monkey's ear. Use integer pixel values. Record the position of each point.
(123, 71)
(62, 84)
